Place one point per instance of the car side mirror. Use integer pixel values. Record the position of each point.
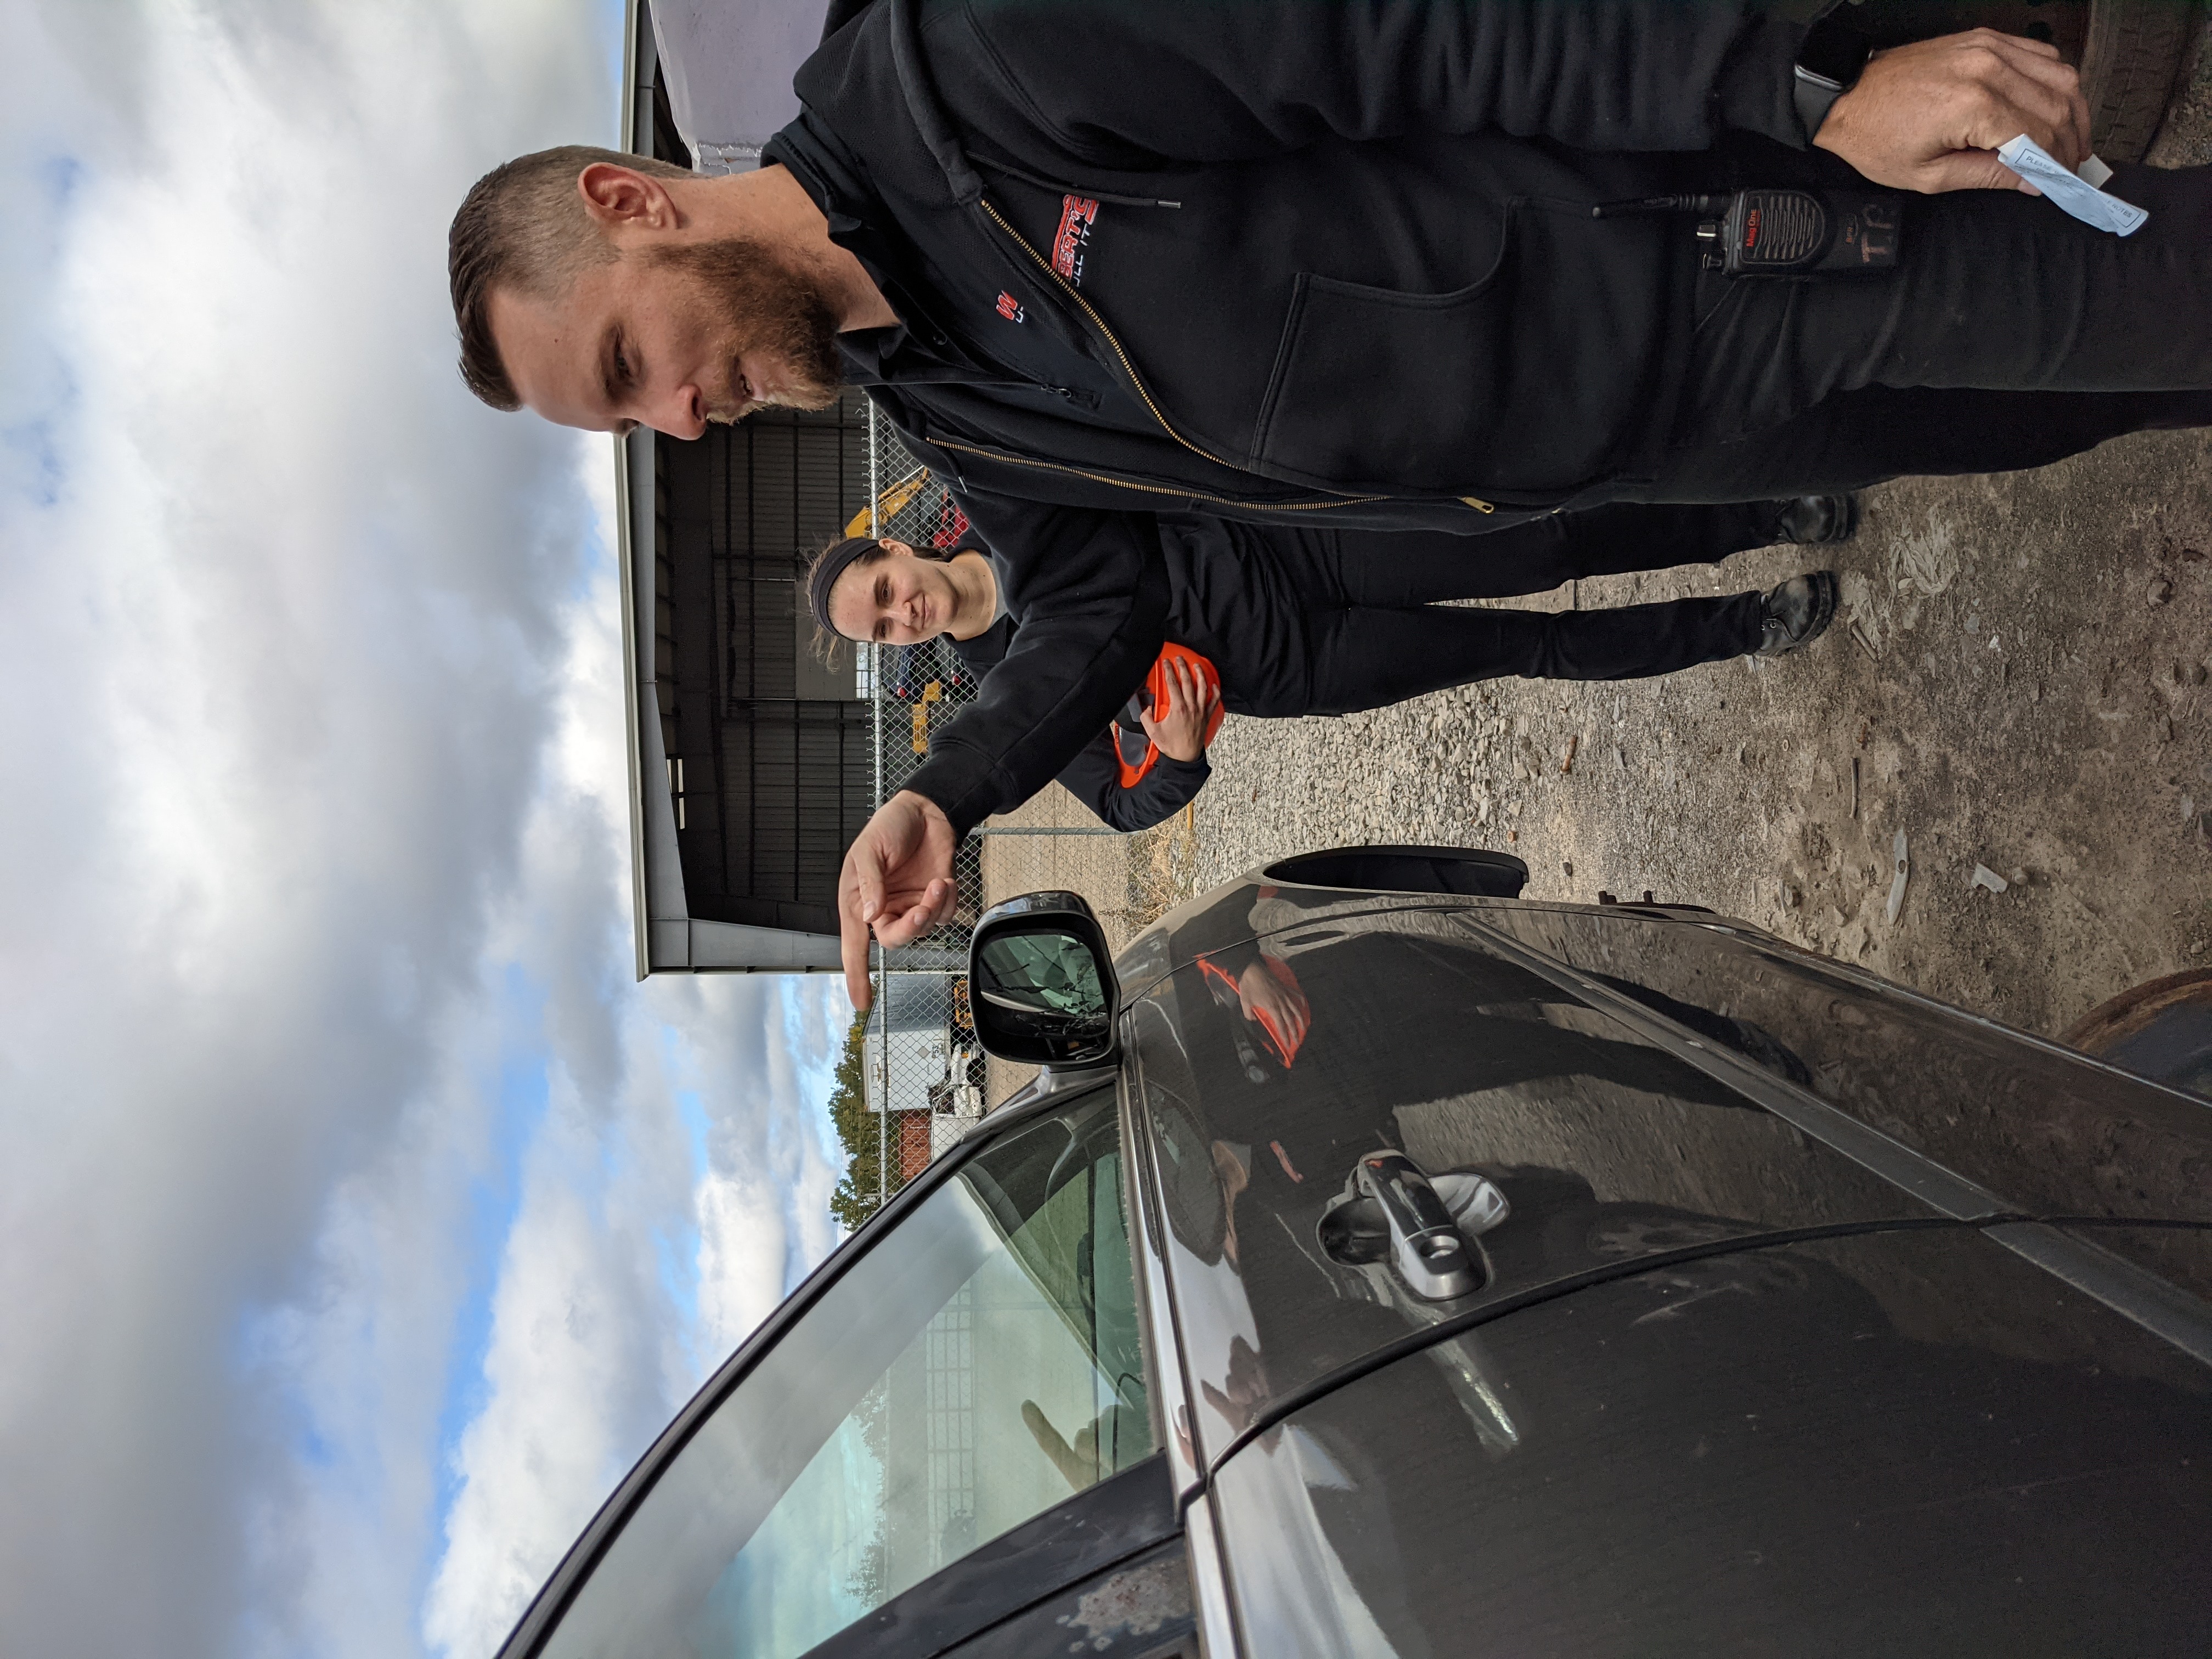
(1040, 983)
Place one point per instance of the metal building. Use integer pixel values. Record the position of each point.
(752, 764)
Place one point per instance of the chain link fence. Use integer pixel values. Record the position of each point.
(927, 1078)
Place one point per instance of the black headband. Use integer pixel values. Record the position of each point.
(830, 566)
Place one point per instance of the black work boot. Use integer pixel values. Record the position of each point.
(1817, 519)
(1797, 613)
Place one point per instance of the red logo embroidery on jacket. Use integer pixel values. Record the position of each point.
(1011, 308)
(1077, 216)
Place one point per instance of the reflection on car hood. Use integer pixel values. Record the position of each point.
(1420, 1034)
(1422, 1029)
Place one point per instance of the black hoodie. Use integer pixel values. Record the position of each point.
(1094, 776)
(1327, 258)
(1234, 593)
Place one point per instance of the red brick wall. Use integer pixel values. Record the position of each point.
(913, 1143)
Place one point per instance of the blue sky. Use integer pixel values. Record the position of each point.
(360, 1218)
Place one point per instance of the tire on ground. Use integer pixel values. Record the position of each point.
(2130, 52)
(2134, 56)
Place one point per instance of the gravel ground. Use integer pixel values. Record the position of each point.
(2016, 680)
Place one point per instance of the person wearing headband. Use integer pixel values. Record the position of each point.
(1291, 620)
(1139, 771)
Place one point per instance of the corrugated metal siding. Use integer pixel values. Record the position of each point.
(777, 776)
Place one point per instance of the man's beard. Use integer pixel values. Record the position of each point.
(776, 316)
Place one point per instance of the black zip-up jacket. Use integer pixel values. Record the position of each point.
(1257, 254)
(1379, 297)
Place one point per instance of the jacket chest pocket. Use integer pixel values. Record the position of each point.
(1526, 379)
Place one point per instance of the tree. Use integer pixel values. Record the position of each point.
(856, 1198)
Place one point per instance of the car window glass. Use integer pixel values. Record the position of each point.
(979, 1365)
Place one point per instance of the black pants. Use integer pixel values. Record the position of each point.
(2009, 335)
(1374, 636)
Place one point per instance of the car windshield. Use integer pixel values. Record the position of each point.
(978, 1365)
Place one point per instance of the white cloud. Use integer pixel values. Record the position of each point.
(567, 1407)
(585, 1364)
(341, 1162)
(699, 1155)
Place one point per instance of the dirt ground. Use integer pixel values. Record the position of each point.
(2016, 680)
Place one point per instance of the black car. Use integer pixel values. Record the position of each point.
(1384, 1265)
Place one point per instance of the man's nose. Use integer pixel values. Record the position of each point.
(684, 415)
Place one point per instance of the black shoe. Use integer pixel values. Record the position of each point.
(1817, 519)
(1797, 613)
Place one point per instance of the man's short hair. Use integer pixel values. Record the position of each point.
(523, 227)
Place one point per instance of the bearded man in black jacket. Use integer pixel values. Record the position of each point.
(1332, 259)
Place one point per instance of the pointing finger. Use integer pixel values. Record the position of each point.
(868, 875)
(852, 953)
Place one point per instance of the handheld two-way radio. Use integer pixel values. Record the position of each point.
(1784, 232)
(1780, 233)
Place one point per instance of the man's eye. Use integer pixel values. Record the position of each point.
(621, 366)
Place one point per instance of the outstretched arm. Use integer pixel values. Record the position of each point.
(1092, 590)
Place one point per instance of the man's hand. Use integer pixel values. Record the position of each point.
(1259, 992)
(897, 877)
(1177, 727)
(1930, 116)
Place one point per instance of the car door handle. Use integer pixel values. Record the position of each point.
(1426, 1247)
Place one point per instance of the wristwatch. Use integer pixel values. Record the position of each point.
(1828, 66)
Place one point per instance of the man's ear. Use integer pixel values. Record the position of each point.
(618, 197)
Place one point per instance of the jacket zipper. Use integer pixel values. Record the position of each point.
(1137, 381)
(1158, 489)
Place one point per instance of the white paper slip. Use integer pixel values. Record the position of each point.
(2077, 196)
